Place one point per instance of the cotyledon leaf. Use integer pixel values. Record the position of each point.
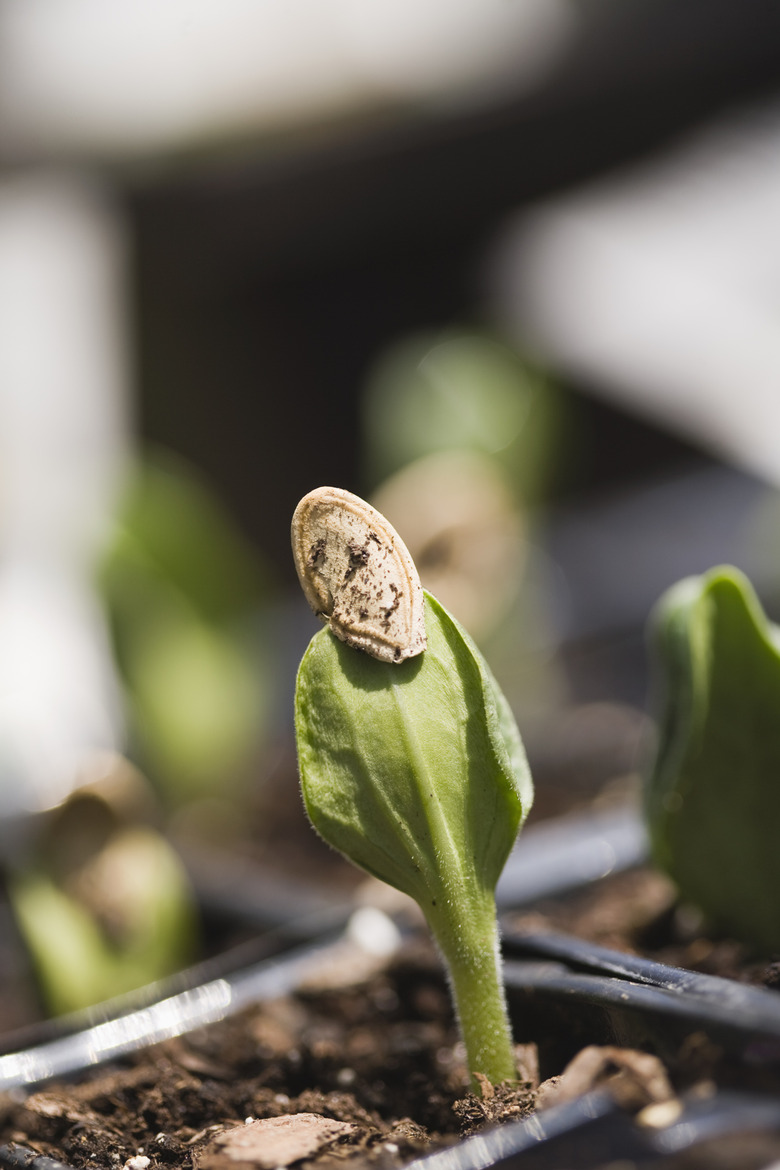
(712, 795)
(416, 770)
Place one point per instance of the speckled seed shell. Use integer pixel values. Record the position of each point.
(357, 574)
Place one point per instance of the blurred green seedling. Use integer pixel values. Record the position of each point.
(415, 771)
(117, 914)
(185, 596)
(712, 796)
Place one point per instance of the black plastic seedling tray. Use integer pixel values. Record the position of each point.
(594, 1131)
(669, 1003)
(614, 998)
(564, 993)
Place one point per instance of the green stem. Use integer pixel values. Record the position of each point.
(470, 950)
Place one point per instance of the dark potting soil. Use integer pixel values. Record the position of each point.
(369, 1071)
(373, 1071)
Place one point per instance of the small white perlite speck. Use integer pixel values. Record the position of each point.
(357, 574)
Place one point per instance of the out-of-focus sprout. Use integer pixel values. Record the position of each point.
(183, 589)
(101, 899)
(459, 391)
(465, 432)
(463, 531)
(712, 796)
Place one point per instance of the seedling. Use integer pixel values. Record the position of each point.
(712, 796)
(117, 914)
(411, 763)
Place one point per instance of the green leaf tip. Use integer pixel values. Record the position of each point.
(417, 773)
(712, 797)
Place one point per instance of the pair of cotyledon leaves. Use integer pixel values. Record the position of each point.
(411, 763)
(415, 771)
(712, 796)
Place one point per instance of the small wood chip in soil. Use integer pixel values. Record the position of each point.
(270, 1142)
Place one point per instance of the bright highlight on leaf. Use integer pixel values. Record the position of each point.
(416, 772)
(712, 796)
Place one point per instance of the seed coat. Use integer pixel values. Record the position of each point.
(357, 574)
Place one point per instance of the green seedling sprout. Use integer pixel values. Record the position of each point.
(82, 960)
(410, 760)
(712, 799)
